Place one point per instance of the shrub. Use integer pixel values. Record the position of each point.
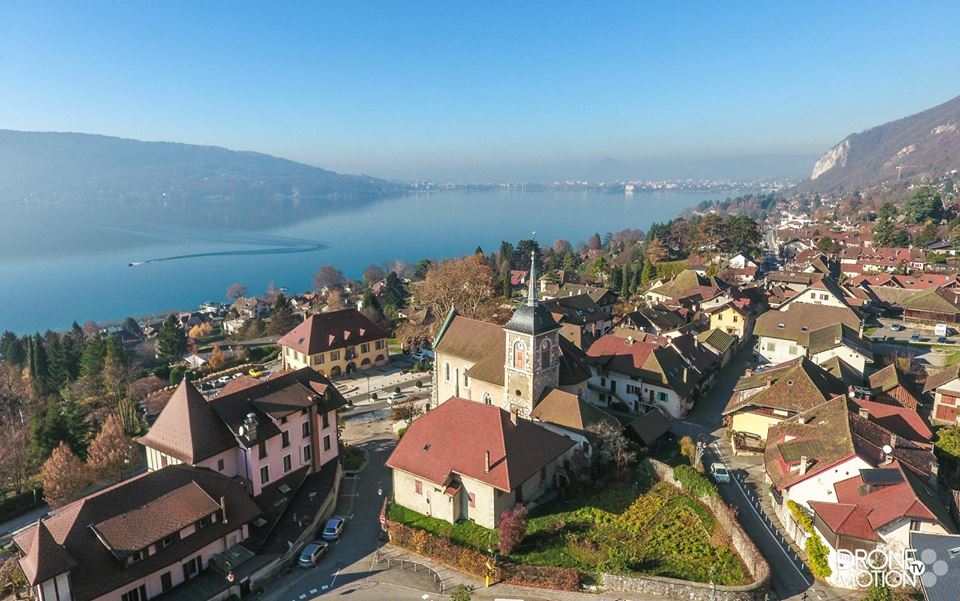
(689, 448)
(559, 579)
(513, 525)
(464, 592)
(401, 432)
(694, 482)
(440, 549)
(817, 552)
(419, 383)
(374, 396)
(396, 390)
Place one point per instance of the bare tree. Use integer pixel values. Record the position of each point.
(466, 283)
(334, 301)
(64, 476)
(14, 451)
(236, 291)
(373, 274)
(406, 412)
(612, 446)
(327, 277)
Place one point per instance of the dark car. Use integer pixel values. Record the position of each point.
(915, 337)
(312, 553)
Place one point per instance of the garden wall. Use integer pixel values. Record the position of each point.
(694, 591)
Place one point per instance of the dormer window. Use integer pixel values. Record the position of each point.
(204, 522)
(780, 325)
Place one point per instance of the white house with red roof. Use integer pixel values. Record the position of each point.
(471, 461)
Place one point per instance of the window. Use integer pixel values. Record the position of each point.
(914, 525)
(771, 346)
(472, 499)
(544, 354)
(137, 594)
(662, 396)
(719, 316)
(446, 372)
(318, 359)
(220, 465)
(379, 344)
(262, 450)
(735, 319)
(307, 454)
(418, 486)
(192, 568)
(486, 398)
(304, 411)
(166, 581)
(326, 420)
(264, 474)
(166, 542)
(284, 439)
(326, 443)
(136, 556)
(365, 347)
(334, 355)
(305, 429)
(603, 381)
(466, 379)
(519, 355)
(287, 463)
(793, 349)
(204, 522)
(283, 419)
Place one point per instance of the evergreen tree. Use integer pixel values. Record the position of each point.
(91, 364)
(283, 319)
(39, 366)
(394, 292)
(61, 422)
(648, 274)
(626, 280)
(172, 340)
(115, 369)
(12, 349)
(616, 279)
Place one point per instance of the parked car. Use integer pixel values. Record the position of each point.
(313, 553)
(941, 340)
(396, 397)
(720, 473)
(941, 329)
(896, 327)
(224, 379)
(255, 373)
(915, 337)
(423, 354)
(333, 529)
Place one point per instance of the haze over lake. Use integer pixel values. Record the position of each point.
(59, 264)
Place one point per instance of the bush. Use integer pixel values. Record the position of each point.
(512, 527)
(401, 432)
(374, 396)
(464, 592)
(689, 448)
(817, 552)
(419, 383)
(176, 374)
(396, 390)
(694, 482)
(440, 549)
(558, 579)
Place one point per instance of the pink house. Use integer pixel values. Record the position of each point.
(260, 432)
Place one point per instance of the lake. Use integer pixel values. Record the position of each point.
(60, 264)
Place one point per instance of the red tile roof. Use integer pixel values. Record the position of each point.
(454, 437)
(333, 330)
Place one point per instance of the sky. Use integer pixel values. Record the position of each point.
(457, 90)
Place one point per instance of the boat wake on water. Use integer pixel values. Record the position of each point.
(299, 248)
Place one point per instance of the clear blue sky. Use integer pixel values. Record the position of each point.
(408, 89)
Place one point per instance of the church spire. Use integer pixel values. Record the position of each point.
(532, 291)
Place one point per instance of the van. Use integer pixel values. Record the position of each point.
(940, 329)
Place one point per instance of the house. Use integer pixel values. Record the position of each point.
(720, 343)
(933, 305)
(807, 454)
(137, 539)
(605, 298)
(511, 366)
(260, 433)
(814, 331)
(655, 319)
(877, 508)
(945, 548)
(823, 292)
(640, 374)
(944, 386)
(568, 415)
(688, 289)
(891, 386)
(732, 318)
(761, 400)
(649, 428)
(582, 313)
(470, 461)
(251, 308)
(740, 261)
(335, 343)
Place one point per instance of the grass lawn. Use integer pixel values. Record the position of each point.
(465, 533)
(352, 458)
(953, 358)
(661, 532)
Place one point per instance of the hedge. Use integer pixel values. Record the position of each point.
(558, 579)
(694, 482)
(817, 552)
(18, 504)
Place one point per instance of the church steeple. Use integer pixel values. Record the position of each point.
(532, 290)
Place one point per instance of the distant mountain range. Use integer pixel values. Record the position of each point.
(58, 167)
(925, 144)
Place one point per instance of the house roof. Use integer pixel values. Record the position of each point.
(876, 497)
(689, 283)
(717, 339)
(333, 330)
(454, 437)
(659, 316)
(188, 428)
(580, 309)
(902, 421)
(834, 335)
(798, 319)
(831, 433)
(932, 300)
(95, 570)
(842, 370)
(568, 410)
(947, 549)
(650, 426)
(941, 378)
(795, 386)
(45, 558)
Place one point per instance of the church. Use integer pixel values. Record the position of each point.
(515, 366)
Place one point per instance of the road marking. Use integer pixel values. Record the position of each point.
(761, 516)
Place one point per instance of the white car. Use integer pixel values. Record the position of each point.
(396, 398)
(721, 475)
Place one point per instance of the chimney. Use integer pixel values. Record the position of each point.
(486, 462)
(864, 413)
(223, 508)
(860, 331)
(686, 374)
(803, 464)
(933, 479)
(514, 416)
(894, 439)
(250, 424)
(629, 340)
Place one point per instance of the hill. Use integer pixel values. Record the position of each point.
(924, 144)
(48, 167)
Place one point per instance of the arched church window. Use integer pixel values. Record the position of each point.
(487, 399)
(519, 355)
(544, 354)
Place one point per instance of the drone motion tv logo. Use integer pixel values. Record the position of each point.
(887, 567)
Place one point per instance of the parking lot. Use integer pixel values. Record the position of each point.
(910, 333)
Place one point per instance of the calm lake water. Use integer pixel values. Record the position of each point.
(60, 264)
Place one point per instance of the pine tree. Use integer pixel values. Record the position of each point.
(115, 373)
(39, 366)
(64, 476)
(172, 340)
(112, 451)
(648, 274)
(12, 349)
(91, 364)
(626, 281)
